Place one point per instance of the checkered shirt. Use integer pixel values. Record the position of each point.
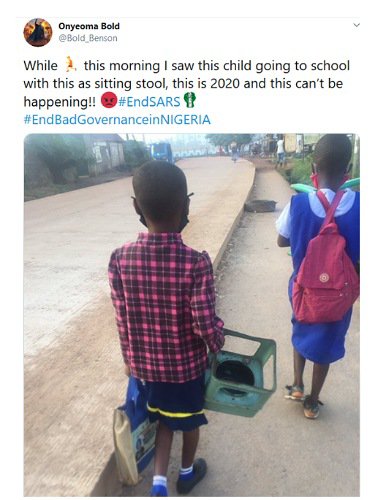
(164, 298)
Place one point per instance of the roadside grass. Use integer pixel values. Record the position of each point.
(297, 170)
(36, 192)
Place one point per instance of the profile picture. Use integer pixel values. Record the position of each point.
(37, 32)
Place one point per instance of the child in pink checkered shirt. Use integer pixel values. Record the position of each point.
(164, 299)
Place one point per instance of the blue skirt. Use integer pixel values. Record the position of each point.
(321, 343)
(178, 406)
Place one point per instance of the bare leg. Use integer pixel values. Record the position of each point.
(163, 443)
(299, 366)
(190, 443)
(318, 379)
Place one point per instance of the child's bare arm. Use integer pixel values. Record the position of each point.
(283, 227)
(282, 241)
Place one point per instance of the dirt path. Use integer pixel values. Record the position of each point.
(282, 453)
(278, 452)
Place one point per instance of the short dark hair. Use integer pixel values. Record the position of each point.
(160, 189)
(332, 153)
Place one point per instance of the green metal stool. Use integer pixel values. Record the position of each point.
(235, 382)
(306, 188)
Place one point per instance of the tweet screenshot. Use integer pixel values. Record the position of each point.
(191, 252)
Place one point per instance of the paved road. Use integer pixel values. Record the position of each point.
(73, 368)
(68, 239)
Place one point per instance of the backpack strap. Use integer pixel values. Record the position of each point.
(330, 208)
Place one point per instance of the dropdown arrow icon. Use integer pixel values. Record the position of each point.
(356, 25)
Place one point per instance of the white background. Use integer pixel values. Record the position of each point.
(267, 30)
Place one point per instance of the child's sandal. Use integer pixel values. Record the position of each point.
(295, 392)
(310, 409)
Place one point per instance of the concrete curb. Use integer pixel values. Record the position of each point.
(217, 259)
(108, 483)
(219, 255)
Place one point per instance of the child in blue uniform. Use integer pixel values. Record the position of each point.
(300, 221)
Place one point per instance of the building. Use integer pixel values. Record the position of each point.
(107, 151)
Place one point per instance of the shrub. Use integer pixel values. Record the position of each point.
(135, 153)
(298, 170)
(59, 152)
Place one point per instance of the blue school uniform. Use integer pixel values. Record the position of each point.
(321, 342)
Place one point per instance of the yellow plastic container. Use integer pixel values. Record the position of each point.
(235, 382)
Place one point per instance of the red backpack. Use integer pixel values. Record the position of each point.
(327, 284)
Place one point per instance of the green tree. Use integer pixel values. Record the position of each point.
(227, 139)
(135, 153)
(59, 152)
